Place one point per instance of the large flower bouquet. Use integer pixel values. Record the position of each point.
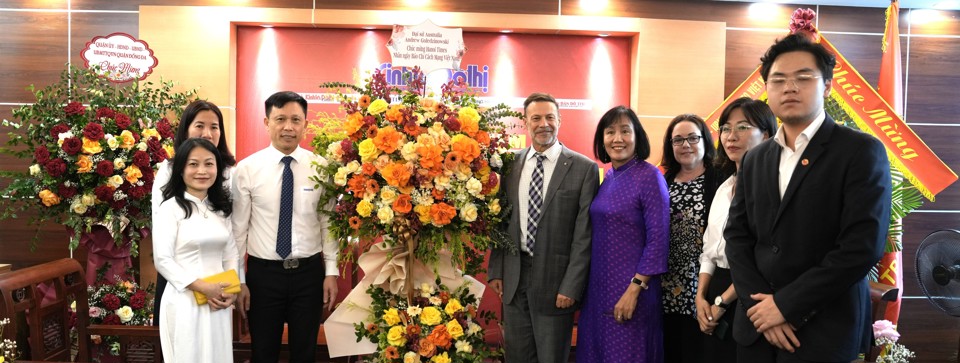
(438, 326)
(117, 302)
(94, 145)
(886, 335)
(430, 164)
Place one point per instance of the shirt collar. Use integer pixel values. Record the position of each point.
(191, 198)
(805, 136)
(275, 154)
(552, 153)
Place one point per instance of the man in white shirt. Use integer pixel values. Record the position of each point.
(807, 222)
(292, 260)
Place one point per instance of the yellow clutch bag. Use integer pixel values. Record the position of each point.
(229, 276)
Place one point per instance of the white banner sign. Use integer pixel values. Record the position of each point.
(120, 57)
(426, 45)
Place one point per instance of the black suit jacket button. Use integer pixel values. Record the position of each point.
(775, 249)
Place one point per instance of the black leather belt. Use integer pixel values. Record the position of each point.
(287, 264)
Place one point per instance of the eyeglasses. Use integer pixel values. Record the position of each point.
(800, 81)
(740, 128)
(692, 140)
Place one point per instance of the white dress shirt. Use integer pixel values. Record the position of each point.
(186, 249)
(256, 208)
(526, 177)
(714, 244)
(789, 157)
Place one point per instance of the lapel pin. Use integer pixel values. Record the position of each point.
(804, 162)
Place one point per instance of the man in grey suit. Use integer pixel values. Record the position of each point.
(550, 188)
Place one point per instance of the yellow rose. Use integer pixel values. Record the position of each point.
(474, 187)
(494, 206)
(463, 347)
(34, 170)
(119, 163)
(377, 107)
(409, 151)
(133, 173)
(397, 336)
(410, 357)
(391, 317)
(364, 208)
(423, 211)
(353, 166)
(340, 178)
(89, 199)
(115, 181)
(148, 133)
(169, 150)
(127, 140)
(368, 150)
(454, 328)
(385, 214)
(469, 212)
(430, 316)
(440, 358)
(388, 195)
(113, 143)
(453, 305)
(84, 164)
(49, 198)
(91, 147)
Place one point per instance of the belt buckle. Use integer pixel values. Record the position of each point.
(291, 263)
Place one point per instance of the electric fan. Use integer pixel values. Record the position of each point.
(938, 270)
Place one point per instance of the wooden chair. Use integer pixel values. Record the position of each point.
(20, 296)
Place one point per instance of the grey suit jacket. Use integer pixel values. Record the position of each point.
(561, 258)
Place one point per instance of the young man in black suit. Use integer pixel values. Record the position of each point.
(808, 221)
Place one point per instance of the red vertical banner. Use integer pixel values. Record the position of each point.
(890, 88)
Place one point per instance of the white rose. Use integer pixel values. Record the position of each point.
(353, 166)
(34, 170)
(463, 347)
(468, 212)
(335, 151)
(409, 151)
(340, 178)
(442, 181)
(474, 186)
(63, 136)
(125, 313)
(385, 214)
(142, 146)
(115, 181)
(426, 289)
(495, 161)
(473, 328)
(112, 142)
(411, 357)
(78, 207)
(119, 163)
(88, 199)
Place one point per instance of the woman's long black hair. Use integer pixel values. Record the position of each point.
(217, 195)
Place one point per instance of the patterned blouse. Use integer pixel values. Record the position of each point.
(687, 223)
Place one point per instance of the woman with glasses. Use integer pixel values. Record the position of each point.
(745, 123)
(621, 318)
(692, 180)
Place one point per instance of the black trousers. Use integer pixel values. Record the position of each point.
(278, 296)
(161, 284)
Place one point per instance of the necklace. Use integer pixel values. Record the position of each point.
(203, 211)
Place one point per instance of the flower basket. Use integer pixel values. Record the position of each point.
(93, 146)
(116, 300)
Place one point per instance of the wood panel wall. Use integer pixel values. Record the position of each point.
(40, 36)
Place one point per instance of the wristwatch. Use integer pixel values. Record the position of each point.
(643, 284)
(718, 301)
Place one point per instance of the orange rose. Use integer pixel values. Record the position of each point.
(388, 139)
(357, 185)
(438, 194)
(364, 101)
(468, 148)
(368, 169)
(431, 156)
(394, 113)
(396, 174)
(427, 348)
(354, 123)
(133, 174)
(483, 138)
(440, 337)
(469, 127)
(84, 164)
(442, 213)
(391, 353)
(428, 104)
(403, 204)
(49, 198)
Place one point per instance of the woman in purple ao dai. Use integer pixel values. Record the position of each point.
(621, 316)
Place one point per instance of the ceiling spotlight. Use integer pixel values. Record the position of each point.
(266, 25)
(506, 31)
(368, 27)
(603, 35)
